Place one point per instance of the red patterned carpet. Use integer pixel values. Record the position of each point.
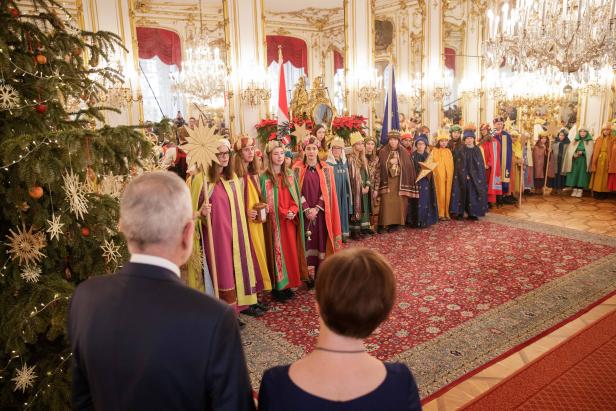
(579, 374)
(467, 292)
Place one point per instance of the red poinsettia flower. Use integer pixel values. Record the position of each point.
(272, 136)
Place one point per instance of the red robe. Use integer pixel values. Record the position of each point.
(332, 215)
(288, 233)
(491, 153)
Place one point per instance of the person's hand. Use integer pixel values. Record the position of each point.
(290, 215)
(252, 214)
(579, 153)
(365, 190)
(312, 214)
(206, 209)
(267, 209)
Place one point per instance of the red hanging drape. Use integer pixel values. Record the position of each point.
(159, 42)
(450, 58)
(338, 61)
(293, 50)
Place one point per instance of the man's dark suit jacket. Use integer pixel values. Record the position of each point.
(142, 340)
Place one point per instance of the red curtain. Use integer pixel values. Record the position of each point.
(159, 42)
(293, 50)
(338, 61)
(450, 58)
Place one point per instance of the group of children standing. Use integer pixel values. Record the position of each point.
(269, 225)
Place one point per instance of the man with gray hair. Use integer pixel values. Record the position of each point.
(141, 339)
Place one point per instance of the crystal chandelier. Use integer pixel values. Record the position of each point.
(572, 36)
(203, 75)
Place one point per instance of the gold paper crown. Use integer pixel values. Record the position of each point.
(443, 134)
(337, 142)
(394, 134)
(355, 138)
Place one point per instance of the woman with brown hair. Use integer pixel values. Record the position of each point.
(319, 207)
(285, 234)
(231, 257)
(320, 132)
(361, 187)
(247, 170)
(355, 292)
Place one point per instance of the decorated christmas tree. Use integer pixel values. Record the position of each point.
(58, 216)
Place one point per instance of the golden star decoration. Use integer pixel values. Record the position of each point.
(25, 378)
(31, 274)
(426, 168)
(75, 192)
(300, 133)
(26, 246)
(202, 146)
(111, 252)
(54, 227)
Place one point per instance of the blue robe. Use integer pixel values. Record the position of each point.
(469, 192)
(423, 211)
(505, 141)
(559, 151)
(343, 193)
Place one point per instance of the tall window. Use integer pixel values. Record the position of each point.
(160, 58)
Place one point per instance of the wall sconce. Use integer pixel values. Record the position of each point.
(368, 86)
(254, 94)
(254, 85)
(442, 85)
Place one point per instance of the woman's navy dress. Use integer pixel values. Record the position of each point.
(397, 392)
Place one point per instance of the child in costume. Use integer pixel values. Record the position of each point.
(443, 173)
(540, 157)
(374, 172)
(559, 152)
(396, 184)
(361, 187)
(285, 224)
(456, 140)
(319, 207)
(338, 162)
(469, 191)
(600, 163)
(492, 154)
(423, 211)
(577, 162)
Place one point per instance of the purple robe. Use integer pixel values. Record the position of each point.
(316, 243)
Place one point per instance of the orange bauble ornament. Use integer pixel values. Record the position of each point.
(85, 231)
(41, 59)
(35, 192)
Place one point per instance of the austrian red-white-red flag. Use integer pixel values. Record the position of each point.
(283, 107)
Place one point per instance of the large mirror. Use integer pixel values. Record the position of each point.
(454, 28)
(308, 38)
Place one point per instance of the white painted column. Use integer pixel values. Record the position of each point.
(433, 51)
(359, 31)
(114, 16)
(472, 68)
(246, 40)
(403, 65)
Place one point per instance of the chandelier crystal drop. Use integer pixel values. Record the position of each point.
(203, 75)
(572, 36)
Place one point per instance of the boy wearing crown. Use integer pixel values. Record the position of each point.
(506, 155)
(469, 191)
(396, 184)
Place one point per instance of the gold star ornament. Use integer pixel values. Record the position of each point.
(202, 146)
(26, 246)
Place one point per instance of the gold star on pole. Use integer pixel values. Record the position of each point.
(55, 227)
(300, 133)
(26, 246)
(111, 252)
(202, 146)
(25, 378)
(426, 167)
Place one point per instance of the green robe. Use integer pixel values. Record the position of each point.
(579, 177)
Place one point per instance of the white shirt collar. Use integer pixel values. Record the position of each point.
(154, 260)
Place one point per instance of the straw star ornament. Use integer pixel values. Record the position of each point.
(202, 146)
(25, 245)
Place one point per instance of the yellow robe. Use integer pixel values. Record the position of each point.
(600, 163)
(256, 235)
(443, 179)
